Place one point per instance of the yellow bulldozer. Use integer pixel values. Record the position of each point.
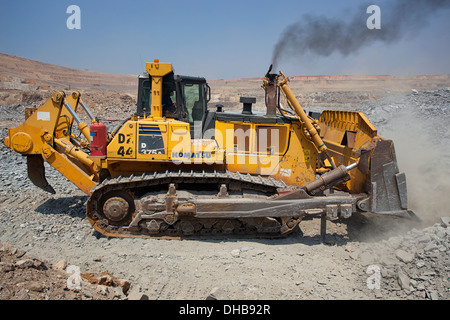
(177, 168)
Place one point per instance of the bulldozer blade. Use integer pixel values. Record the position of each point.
(414, 216)
(36, 172)
(387, 184)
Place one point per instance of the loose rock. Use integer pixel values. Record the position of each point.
(403, 279)
(404, 256)
(60, 265)
(217, 293)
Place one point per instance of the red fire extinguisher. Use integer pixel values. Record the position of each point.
(98, 139)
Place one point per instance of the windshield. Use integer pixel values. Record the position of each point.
(194, 101)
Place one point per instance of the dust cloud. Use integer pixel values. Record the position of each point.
(418, 125)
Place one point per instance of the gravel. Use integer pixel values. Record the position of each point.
(366, 257)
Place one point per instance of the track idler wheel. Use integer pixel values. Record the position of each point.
(117, 207)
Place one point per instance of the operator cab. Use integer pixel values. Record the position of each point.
(184, 98)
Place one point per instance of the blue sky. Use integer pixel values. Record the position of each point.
(216, 39)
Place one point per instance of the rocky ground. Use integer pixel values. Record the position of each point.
(26, 278)
(45, 239)
(365, 257)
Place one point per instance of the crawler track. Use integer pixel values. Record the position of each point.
(162, 204)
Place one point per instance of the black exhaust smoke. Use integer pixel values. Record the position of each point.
(324, 36)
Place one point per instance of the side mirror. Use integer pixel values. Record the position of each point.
(208, 92)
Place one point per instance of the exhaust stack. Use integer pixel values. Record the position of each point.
(270, 86)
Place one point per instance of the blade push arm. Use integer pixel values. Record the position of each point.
(309, 126)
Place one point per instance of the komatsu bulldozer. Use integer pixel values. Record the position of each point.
(177, 168)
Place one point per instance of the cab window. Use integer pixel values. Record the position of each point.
(146, 96)
(169, 99)
(194, 101)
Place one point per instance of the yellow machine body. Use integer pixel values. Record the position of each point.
(235, 148)
(277, 150)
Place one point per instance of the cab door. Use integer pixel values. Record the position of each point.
(195, 94)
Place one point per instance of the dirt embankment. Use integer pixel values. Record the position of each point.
(26, 82)
(24, 74)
